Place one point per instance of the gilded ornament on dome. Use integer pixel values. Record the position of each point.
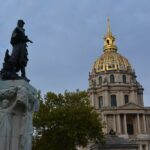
(111, 59)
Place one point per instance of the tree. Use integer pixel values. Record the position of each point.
(66, 121)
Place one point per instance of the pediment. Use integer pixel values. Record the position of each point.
(131, 106)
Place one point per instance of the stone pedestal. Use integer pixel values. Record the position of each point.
(17, 101)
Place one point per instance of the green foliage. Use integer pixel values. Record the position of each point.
(66, 121)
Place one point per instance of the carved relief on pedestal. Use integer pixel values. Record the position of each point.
(16, 105)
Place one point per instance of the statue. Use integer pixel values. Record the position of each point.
(18, 99)
(17, 61)
(112, 132)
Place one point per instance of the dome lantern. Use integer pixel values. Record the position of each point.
(109, 40)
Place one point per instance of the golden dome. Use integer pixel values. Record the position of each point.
(110, 59)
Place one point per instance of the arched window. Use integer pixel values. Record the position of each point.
(124, 78)
(107, 41)
(113, 101)
(126, 99)
(112, 78)
(100, 80)
(100, 101)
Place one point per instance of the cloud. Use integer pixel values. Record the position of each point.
(68, 37)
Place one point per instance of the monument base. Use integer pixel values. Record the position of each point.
(17, 99)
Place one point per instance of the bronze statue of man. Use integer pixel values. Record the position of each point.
(19, 56)
(18, 59)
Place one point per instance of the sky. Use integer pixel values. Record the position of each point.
(68, 38)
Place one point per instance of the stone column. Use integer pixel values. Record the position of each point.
(140, 147)
(138, 124)
(114, 119)
(142, 99)
(125, 124)
(106, 98)
(121, 98)
(93, 99)
(118, 124)
(132, 97)
(144, 123)
(105, 121)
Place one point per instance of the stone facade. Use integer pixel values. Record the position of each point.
(115, 92)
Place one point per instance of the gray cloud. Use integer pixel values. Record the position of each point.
(68, 37)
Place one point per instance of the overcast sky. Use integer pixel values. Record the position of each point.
(68, 37)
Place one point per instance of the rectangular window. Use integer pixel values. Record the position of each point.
(113, 101)
(126, 99)
(100, 101)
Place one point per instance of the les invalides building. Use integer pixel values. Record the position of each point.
(115, 92)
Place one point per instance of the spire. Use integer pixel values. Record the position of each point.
(109, 39)
(108, 27)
